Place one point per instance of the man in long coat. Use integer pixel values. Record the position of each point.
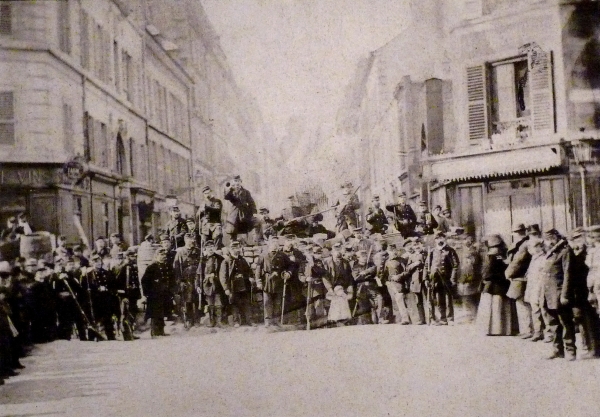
(208, 280)
(155, 285)
(442, 266)
(405, 218)
(241, 217)
(185, 267)
(519, 258)
(236, 279)
(558, 295)
(272, 271)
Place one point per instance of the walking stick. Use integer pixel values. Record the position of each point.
(308, 298)
(283, 300)
(90, 328)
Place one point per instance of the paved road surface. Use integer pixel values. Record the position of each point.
(361, 371)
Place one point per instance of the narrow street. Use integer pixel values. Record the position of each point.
(354, 371)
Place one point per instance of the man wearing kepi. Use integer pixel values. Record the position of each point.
(209, 218)
(208, 276)
(405, 218)
(185, 267)
(155, 284)
(241, 217)
(558, 295)
(441, 274)
(272, 270)
(176, 228)
(236, 278)
(519, 259)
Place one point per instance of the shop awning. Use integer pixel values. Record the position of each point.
(496, 163)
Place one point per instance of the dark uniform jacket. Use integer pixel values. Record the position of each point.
(185, 267)
(558, 275)
(270, 269)
(155, 284)
(128, 280)
(377, 220)
(241, 214)
(579, 273)
(235, 274)
(339, 273)
(426, 223)
(103, 287)
(208, 275)
(405, 219)
(442, 266)
(364, 274)
(176, 229)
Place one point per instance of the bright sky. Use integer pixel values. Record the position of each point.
(296, 56)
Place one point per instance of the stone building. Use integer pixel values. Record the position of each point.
(105, 111)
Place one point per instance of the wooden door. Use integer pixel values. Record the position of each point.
(553, 204)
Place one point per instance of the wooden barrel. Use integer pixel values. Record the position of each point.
(145, 256)
(36, 245)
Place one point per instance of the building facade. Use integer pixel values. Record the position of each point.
(491, 106)
(104, 112)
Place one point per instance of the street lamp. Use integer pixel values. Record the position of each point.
(582, 151)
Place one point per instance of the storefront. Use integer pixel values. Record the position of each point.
(492, 192)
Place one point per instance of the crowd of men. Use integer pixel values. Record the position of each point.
(404, 267)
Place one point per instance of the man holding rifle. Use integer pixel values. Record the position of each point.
(209, 218)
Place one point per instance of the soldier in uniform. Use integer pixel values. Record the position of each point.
(176, 228)
(405, 219)
(315, 274)
(376, 218)
(272, 269)
(165, 243)
(368, 294)
(339, 273)
(236, 279)
(102, 287)
(185, 267)
(295, 301)
(66, 285)
(209, 218)
(347, 217)
(129, 290)
(241, 217)
(442, 266)
(426, 223)
(265, 227)
(397, 280)
(287, 223)
(208, 281)
(155, 285)
(518, 258)
(415, 262)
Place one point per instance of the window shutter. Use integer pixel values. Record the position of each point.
(477, 103)
(7, 115)
(542, 100)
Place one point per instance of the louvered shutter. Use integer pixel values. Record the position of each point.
(542, 100)
(477, 103)
(7, 116)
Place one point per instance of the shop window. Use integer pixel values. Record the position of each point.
(7, 118)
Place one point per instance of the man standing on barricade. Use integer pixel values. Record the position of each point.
(101, 289)
(265, 225)
(441, 274)
(209, 282)
(241, 217)
(236, 279)
(376, 218)
(405, 219)
(426, 223)
(347, 218)
(176, 228)
(272, 272)
(209, 218)
(155, 286)
(185, 267)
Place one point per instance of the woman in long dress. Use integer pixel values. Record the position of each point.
(496, 314)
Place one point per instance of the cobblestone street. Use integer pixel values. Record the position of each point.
(353, 371)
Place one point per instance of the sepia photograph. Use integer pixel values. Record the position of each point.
(299, 208)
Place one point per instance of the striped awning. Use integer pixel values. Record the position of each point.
(496, 163)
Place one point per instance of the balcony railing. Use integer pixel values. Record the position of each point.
(509, 133)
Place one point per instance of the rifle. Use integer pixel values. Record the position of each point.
(182, 297)
(360, 287)
(308, 299)
(88, 325)
(283, 300)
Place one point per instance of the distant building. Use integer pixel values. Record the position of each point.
(103, 114)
